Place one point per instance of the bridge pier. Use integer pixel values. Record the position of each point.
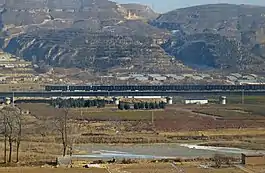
(8, 100)
(223, 100)
(170, 100)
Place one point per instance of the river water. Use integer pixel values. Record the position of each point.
(156, 151)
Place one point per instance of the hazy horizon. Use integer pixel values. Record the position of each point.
(161, 6)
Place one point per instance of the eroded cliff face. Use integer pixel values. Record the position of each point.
(217, 36)
(56, 14)
(80, 33)
(99, 34)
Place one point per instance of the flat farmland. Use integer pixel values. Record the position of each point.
(169, 120)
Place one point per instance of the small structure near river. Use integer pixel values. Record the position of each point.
(253, 159)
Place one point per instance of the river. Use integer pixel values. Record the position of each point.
(156, 151)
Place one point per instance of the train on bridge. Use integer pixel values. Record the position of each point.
(72, 88)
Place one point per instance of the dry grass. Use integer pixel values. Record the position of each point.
(51, 170)
(238, 113)
(143, 168)
(134, 168)
(168, 168)
(223, 170)
(257, 169)
(219, 132)
(36, 152)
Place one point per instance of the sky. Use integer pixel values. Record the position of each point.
(167, 5)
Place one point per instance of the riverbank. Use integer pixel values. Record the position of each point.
(156, 151)
(254, 144)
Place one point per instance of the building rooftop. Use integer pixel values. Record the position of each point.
(253, 154)
(237, 75)
(197, 77)
(141, 78)
(231, 78)
(136, 75)
(160, 78)
(154, 75)
(195, 99)
(171, 75)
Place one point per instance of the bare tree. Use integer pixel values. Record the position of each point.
(12, 130)
(19, 133)
(4, 132)
(61, 127)
(67, 129)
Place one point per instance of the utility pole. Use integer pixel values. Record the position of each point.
(5, 137)
(152, 118)
(153, 125)
(13, 99)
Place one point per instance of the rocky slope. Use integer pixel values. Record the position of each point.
(101, 35)
(143, 11)
(89, 34)
(221, 36)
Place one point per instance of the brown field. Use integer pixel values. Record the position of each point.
(171, 119)
(132, 168)
(168, 168)
(51, 170)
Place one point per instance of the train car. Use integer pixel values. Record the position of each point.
(79, 88)
(154, 87)
(56, 88)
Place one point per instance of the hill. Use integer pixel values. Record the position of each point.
(222, 36)
(143, 11)
(104, 36)
(87, 34)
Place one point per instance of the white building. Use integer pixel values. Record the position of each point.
(141, 78)
(174, 77)
(237, 75)
(196, 101)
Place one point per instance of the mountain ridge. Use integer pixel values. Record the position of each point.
(242, 24)
(85, 33)
(103, 35)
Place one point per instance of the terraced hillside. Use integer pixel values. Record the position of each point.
(222, 36)
(87, 34)
(100, 35)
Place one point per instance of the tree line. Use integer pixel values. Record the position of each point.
(142, 105)
(77, 103)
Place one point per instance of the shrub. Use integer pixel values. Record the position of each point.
(126, 106)
(121, 106)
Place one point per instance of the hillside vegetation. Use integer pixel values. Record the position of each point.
(86, 34)
(222, 36)
(105, 36)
